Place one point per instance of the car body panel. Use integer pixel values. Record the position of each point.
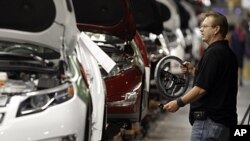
(97, 89)
(144, 53)
(139, 42)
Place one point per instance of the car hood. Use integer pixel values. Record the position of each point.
(174, 21)
(113, 17)
(193, 21)
(41, 22)
(156, 14)
(184, 15)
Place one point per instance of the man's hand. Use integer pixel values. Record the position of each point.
(171, 106)
(188, 67)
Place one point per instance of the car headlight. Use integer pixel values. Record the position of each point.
(128, 99)
(41, 100)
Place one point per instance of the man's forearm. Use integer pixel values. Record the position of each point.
(192, 95)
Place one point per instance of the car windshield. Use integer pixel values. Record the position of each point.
(27, 49)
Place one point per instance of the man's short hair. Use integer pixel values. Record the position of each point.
(219, 20)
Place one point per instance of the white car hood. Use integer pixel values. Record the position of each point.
(61, 32)
(174, 21)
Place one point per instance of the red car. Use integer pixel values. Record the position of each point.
(110, 24)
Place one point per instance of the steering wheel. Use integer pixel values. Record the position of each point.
(169, 78)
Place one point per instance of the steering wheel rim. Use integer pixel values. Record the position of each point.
(171, 85)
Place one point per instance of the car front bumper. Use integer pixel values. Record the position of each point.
(66, 120)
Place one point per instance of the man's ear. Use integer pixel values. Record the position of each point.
(217, 29)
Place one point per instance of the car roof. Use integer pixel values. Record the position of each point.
(42, 22)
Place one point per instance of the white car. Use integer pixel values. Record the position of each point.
(51, 86)
(172, 31)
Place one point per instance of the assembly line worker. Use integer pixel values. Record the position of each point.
(213, 96)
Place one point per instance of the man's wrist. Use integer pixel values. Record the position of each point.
(180, 103)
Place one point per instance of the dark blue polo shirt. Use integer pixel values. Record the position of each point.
(217, 73)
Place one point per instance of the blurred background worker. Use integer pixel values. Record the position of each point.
(238, 40)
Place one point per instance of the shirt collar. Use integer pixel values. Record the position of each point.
(216, 43)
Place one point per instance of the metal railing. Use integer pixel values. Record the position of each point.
(247, 113)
